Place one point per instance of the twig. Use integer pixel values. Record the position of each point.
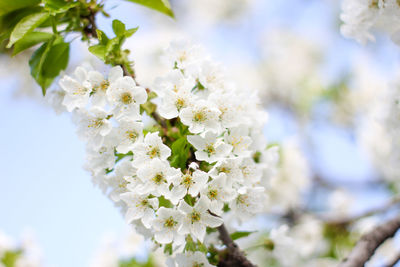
(369, 242)
(234, 256)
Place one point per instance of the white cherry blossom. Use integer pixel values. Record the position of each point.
(140, 207)
(152, 147)
(127, 97)
(210, 148)
(197, 218)
(201, 117)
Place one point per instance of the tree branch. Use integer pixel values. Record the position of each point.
(369, 242)
(233, 256)
(394, 260)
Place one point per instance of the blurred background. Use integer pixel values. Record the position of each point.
(321, 91)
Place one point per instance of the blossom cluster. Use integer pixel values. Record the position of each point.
(362, 16)
(177, 157)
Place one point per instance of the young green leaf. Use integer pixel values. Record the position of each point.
(162, 6)
(118, 27)
(99, 51)
(26, 25)
(59, 6)
(31, 39)
(237, 235)
(7, 6)
(130, 32)
(102, 37)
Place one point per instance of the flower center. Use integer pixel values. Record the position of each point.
(180, 103)
(242, 199)
(196, 264)
(96, 123)
(104, 85)
(210, 149)
(187, 180)
(224, 169)
(153, 152)
(126, 98)
(143, 203)
(132, 135)
(199, 116)
(195, 216)
(159, 178)
(212, 194)
(169, 223)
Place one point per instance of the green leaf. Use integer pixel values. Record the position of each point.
(180, 153)
(7, 6)
(162, 6)
(58, 6)
(130, 32)
(118, 27)
(99, 51)
(47, 62)
(102, 37)
(8, 21)
(237, 235)
(36, 64)
(56, 60)
(26, 25)
(31, 39)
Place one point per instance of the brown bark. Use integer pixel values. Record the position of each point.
(369, 242)
(232, 256)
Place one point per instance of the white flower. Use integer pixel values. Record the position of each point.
(251, 172)
(192, 259)
(156, 176)
(127, 134)
(76, 90)
(100, 84)
(239, 140)
(188, 183)
(93, 125)
(126, 96)
(229, 168)
(201, 117)
(209, 148)
(230, 113)
(152, 147)
(218, 192)
(208, 74)
(122, 180)
(173, 102)
(55, 98)
(98, 160)
(174, 81)
(181, 54)
(249, 202)
(140, 207)
(166, 226)
(197, 218)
